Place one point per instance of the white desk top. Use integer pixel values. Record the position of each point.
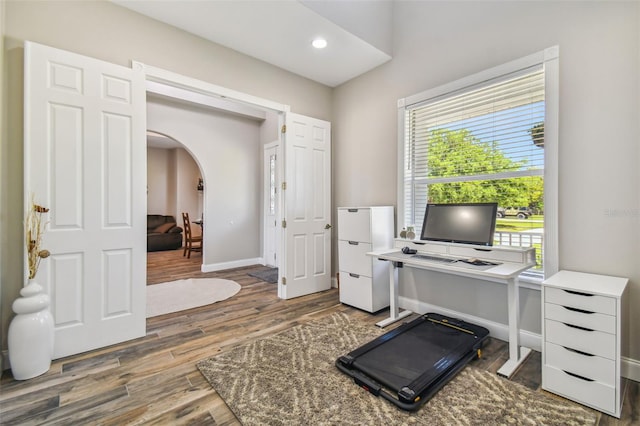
(501, 272)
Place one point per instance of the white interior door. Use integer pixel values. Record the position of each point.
(307, 207)
(85, 159)
(271, 203)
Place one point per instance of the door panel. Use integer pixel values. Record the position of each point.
(66, 296)
(116, 164)
(66, 166)
(319, 262)
(320, 169)
(307, 201)
(85, 158)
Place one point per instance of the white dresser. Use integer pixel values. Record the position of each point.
(364, 281)
(581, 338)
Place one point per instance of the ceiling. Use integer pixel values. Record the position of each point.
(280, 32)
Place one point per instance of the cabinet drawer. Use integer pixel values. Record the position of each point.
(354, 224)
(588, 302)
(361, 292)
(355, 290)
(591, 342)
(569, 315)
(515, 256)
(594, 394)
(421, 246)
(353, 257)
(593, 367)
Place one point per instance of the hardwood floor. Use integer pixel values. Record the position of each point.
(154, 380)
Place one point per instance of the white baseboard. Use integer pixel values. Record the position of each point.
(630, 368)
(212, 267)
(334, 282)
(497, 330)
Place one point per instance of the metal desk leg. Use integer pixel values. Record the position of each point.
(394, 309)
(517, 354)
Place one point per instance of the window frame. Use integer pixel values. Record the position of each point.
(548, 59)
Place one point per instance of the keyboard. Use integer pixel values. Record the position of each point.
(434, 258)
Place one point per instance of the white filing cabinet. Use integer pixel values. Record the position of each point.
(364, 281)
(581, 338)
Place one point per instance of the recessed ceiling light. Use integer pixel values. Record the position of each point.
(319, 43)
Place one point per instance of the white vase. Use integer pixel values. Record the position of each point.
(410, 233)
(30, 337)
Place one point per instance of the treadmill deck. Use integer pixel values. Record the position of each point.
(408, 365)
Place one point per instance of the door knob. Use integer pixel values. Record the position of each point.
(327, 226)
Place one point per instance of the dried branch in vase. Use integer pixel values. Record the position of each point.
(34, 228)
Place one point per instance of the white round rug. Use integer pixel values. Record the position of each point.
(181, 295)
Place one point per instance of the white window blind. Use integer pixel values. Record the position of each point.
(468, 141)
(482, 142)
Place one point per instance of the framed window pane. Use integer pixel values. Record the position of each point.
(272, 184)
(481, 142)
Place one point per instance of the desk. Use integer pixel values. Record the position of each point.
(512, 261)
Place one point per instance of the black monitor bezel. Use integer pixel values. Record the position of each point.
(488, 242)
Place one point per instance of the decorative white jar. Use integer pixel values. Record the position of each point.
(30, 337)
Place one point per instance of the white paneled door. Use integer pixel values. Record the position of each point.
(307, 206)
(85, 159)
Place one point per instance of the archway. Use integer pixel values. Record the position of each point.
(175, 182)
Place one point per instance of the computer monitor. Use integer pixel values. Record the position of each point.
(468, 223)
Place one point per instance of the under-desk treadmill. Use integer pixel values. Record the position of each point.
(408, 365)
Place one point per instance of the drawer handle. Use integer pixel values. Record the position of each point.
(352, 210)
(578, 293)
(354, 275)
(578, 352)
(353, 243)
(578, 327)
(586, 379)
(582, 311)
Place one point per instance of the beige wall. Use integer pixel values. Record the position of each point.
(187, 197)
(158, 179)
(103, 30)
(599, 188)
(172, 178)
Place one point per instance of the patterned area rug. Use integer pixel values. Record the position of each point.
(180, 295)
(290, 379)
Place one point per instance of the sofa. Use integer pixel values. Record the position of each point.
(163, 233)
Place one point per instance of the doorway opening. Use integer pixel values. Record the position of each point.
(303, 249)
(175, 185)
(227, 139)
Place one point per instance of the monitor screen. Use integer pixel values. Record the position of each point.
(469, 223)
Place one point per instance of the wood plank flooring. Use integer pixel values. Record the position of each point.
(153, 380)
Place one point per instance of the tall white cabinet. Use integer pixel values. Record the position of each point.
(581, 338)
(364, 281)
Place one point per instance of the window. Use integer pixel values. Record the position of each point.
(272, 184)
(491, 137)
